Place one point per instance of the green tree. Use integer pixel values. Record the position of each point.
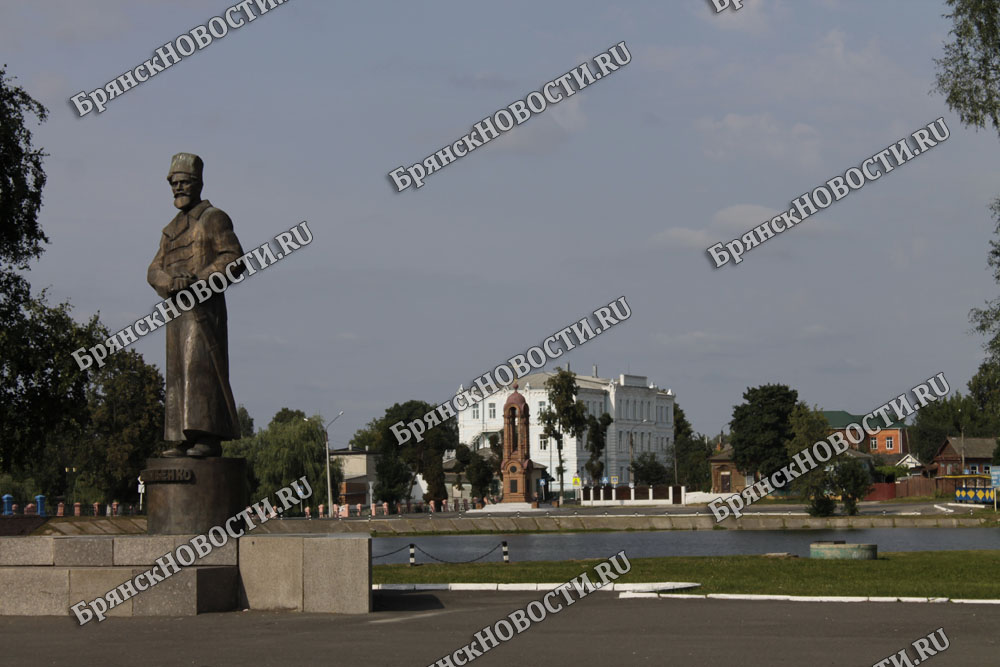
(21, 176)
(393, 477)
(126, 426)
(761, 428)
(809, 426)
(597, 437)
(246, 422)
(984, 389)
(852, 480)
(286, 451)
(648, 470)
(564, 415)
(479, 471)
(692, 452)
(43, 392)
(968, 75)
(396, 461)
(953, 415)
(285, 415)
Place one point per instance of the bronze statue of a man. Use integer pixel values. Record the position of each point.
(200, 411)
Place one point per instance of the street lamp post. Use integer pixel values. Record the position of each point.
(326, 447)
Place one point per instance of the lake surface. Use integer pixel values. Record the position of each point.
(565, 546)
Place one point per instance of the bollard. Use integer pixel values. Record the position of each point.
(29, 509)
(321, 507)
(506, 552)
(359, 509)
(385, 508)
(8, 504)
(114, 508)
(373, 509)
(431, 505)
(308, 512)
(76, 509)
(61, 509)
(40, 504)
(413, 555)
(16, 508)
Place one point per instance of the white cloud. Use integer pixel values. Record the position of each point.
(759, 135)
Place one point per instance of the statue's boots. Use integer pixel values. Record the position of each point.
(203, 449)
(173, 452)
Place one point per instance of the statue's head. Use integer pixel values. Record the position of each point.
(185, 179)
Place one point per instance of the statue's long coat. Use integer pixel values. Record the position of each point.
(199, 398)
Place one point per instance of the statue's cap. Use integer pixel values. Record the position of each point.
(186, 163)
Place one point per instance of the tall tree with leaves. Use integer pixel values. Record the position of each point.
(809, 426)
(126, 425)
(246, 422)
(597, 438)
(691, 451)
(414, 457)
(564, 415)
(761, 427)
(968, 75)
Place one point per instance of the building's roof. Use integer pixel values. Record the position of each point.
(853, 453)
(349, 452)
(537, 381)
(900, 459)
(841, 419)
(515, 398)
(975, 448)
(725, 455)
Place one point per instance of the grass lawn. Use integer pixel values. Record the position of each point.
(952, 574)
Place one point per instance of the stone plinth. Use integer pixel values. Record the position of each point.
(44, 576)
(307, 573)
(188, 495)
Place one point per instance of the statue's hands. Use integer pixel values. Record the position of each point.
(182, 280)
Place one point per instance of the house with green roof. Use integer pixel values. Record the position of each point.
(889, 441)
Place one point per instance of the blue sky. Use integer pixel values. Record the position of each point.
(717, 121)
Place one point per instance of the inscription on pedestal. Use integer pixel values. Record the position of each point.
(166, 475)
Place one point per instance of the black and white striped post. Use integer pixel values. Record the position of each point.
(413, 555)
(506, 553)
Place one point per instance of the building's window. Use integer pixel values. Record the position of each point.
(513, 486)
(948, 471)
(888, 443)
(493, 410)
(974, 469)
(475, 411)
(619, 441)
(750, 481)
(633, 409)
(986, 469)
(543, 443)
(873, 443)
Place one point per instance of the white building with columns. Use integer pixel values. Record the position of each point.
(643, 415)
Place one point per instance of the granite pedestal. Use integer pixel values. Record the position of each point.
(189, 496)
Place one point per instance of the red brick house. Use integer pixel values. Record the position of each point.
(889, 441)
(725, 477)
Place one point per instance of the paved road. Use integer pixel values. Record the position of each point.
(601, 630)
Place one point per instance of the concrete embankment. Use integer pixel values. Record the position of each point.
(417, 524)
(505, 524)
